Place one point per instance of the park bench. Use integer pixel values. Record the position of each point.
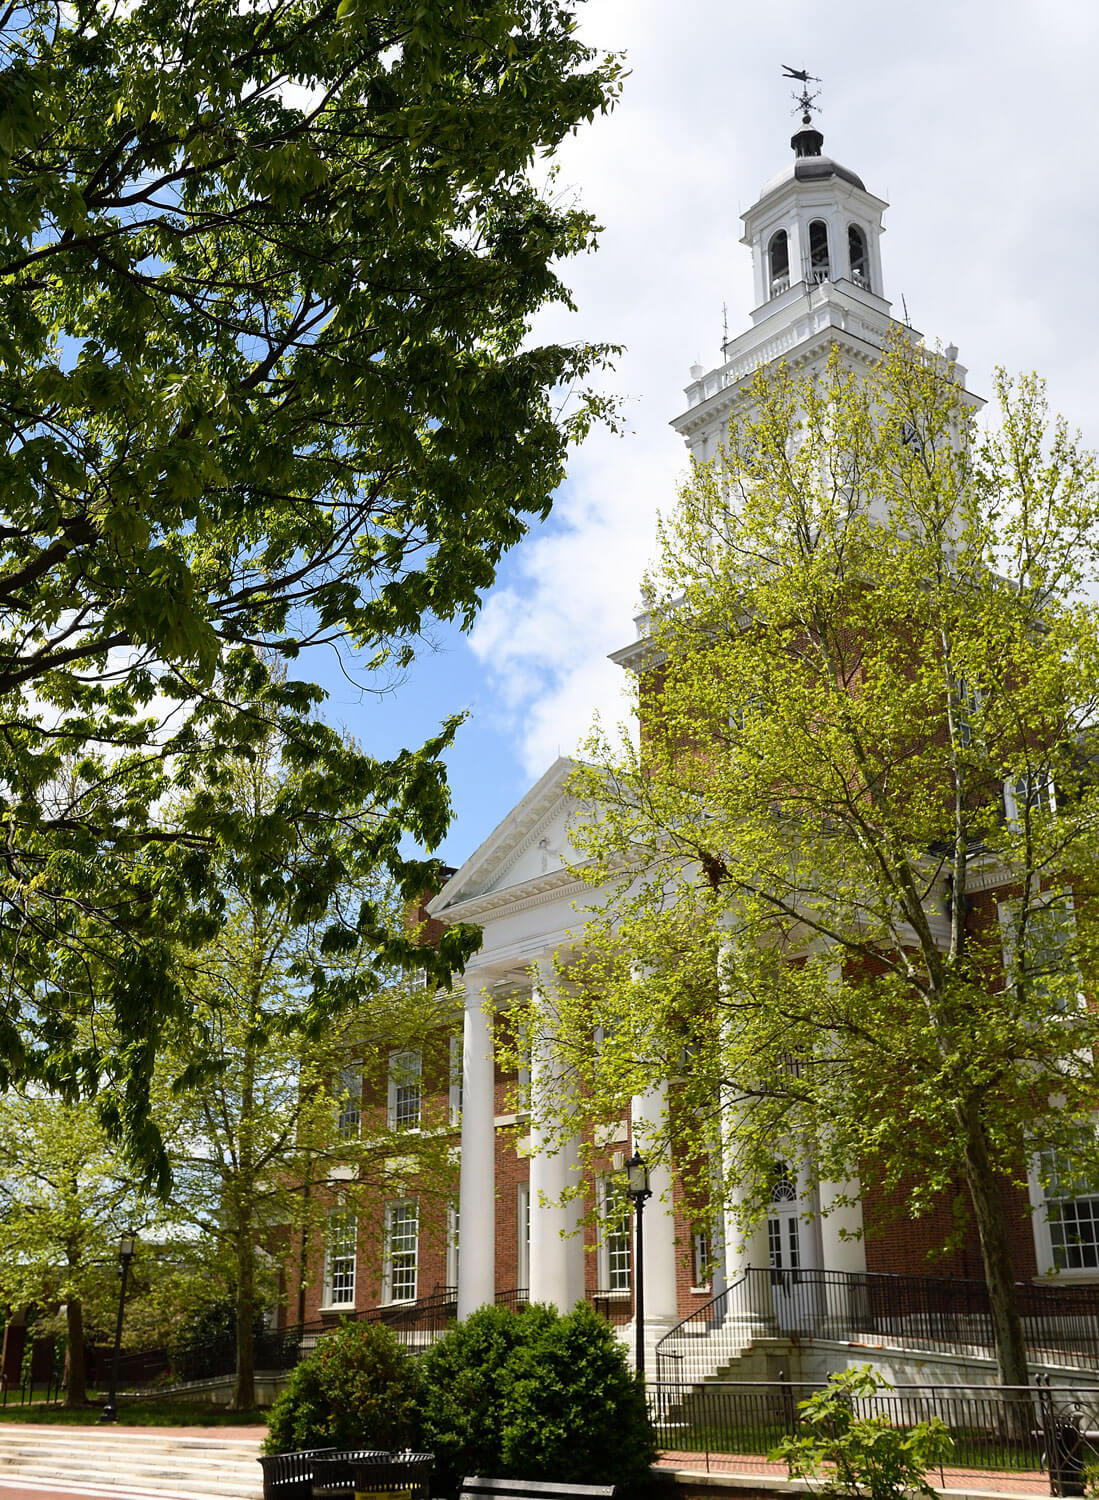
(475, 1488)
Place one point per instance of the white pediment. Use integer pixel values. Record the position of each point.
(529, 850)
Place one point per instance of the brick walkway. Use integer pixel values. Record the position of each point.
(984, 1481)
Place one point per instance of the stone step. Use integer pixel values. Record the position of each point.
(174, 1483)
(152, 1459)
(133, 1464)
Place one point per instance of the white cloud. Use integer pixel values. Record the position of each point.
(975, 124)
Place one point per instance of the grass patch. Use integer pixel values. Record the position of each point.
(136, 1414)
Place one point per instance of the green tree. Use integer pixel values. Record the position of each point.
(267, 278)
(65, 1198)
(871, 622)
(252, 1133)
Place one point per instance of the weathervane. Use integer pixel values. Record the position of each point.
(807, 98)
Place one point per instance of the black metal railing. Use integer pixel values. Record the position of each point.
(615, 1306)
(516, 1298)
(46, 1389)
(939, 1314)
(277, 1350)
(993, 1429)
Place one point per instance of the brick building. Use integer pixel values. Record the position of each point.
(814, 236)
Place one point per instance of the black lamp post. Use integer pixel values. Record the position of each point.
(126, 1247)
(637, 1186)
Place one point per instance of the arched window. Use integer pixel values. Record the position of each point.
(820, 263)
(778, 256)
(860, 260)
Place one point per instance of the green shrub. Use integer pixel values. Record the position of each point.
(356, 1389)
(850, 1453)
(534, 1395)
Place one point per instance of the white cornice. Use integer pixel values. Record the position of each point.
(514, 834)
(557, 885)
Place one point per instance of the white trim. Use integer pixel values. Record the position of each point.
(453, 1242)
(454, 1086)
(608, 1187)
(522, 1235)
(402, 1205)
(340, 1222)
(405, 1072)
(349, 1101)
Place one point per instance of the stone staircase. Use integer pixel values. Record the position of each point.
(113, 1461)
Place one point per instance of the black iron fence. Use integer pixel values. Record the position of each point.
(276, 1350)
(994, 1429)
(939, 1314)
(516, 1298)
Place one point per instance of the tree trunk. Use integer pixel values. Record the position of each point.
(1007, 1328)
(244, 1393)
(76, 1382)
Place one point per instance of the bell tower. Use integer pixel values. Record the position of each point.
(815, 237)
(814, 223)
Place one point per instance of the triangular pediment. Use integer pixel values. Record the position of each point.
(528, 848)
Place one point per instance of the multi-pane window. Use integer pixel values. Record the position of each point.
(522, 1268)
(616, 1236)
(1033, 791)
(783, 1234)
(1046, 963)
(1073, 1214)
(349, 1098)
(339, 1260)
(701, 1255)
(453, 1243)
(455, 1080)
(402, 1250)
(404, 1091)
(966, 705)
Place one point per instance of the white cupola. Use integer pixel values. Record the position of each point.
(815, 237)
(814, 223)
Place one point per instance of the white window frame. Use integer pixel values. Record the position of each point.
(1007, 912)
(702, 1255)
(522, 1236)
(404, 1067)
(615, 1258)
(453, 1243)
(454, 1099)
(397, 1285)
(349, 1101)
(1018, 795)
(340, 1258)
(1045, 1246)
(966, 705)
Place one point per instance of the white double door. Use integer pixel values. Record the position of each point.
(792, 1249)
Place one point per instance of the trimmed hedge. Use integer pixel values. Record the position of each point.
(534, 1395)
(357, 1388)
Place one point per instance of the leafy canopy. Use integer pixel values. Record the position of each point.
(267, 277)
(849, 872)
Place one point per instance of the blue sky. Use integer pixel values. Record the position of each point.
(975, 121)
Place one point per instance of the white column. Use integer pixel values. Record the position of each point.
(749, 1302)
(477, 1191)
(842, 1245)
(648, 1113)
(843, 1249)
(556, 1239)
(749, 1296)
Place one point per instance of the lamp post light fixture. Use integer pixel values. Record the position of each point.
(637, 1187)
(126, 1248)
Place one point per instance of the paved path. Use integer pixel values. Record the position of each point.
(980, 1481)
